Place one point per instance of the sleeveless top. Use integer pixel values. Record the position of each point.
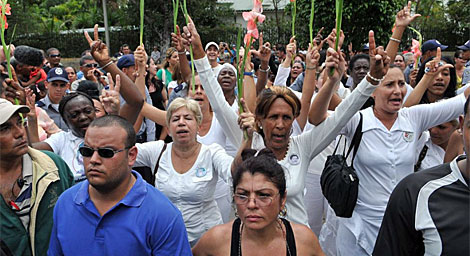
(235, 246)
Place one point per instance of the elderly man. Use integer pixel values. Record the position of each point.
(115, 212)
(30, 184)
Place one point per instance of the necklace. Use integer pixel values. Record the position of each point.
(283, 236)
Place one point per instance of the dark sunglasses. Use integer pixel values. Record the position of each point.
(91, 65)
(86, 151)
(54, 55)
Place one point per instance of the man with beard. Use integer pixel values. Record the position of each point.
(115, 212)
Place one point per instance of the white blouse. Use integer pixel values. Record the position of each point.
(303, 148)
(193, 191)
(385, 157)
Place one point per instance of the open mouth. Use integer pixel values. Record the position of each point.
(182, 132)
(439, 85)
(396, 101)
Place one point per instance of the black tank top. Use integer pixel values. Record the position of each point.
(235, 245)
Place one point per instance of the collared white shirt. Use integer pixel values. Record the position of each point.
(66, 145)
(193, 191)
(387, 156)
(434, 155)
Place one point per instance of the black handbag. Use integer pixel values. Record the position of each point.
(339, 182)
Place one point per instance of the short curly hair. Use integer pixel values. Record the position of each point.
(28, 55)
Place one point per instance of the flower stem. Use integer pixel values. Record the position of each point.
(193, 81)
(312, 14)
(141, 21)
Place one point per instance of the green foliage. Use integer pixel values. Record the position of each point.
(358, 18)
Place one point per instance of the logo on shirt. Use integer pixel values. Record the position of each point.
(294, 159)
(201, 172)
(408, 136)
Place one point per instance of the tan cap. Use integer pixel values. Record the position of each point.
(7, 109)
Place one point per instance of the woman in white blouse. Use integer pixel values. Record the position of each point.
(276, 110)
(386, 154)
(188, 170)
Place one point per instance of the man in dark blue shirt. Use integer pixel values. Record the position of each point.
(115, 212)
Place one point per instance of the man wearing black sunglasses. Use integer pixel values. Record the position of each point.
(53, 59)
(91, 72)
(114, 211)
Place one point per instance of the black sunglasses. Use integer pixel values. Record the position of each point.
(90, 65)
(86, 151)
(54, 55)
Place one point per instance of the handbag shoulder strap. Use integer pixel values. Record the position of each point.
(356, 139)
(421, 157)
(158, 162)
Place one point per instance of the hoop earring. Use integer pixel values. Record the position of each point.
(283, 213)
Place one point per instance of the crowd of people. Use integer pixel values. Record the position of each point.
(136, 154)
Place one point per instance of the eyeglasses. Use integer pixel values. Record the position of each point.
(260, 200)
(54, 55)
(90, 65)
(86, 151)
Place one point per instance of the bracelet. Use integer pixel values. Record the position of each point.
(395, 40)
(248, 73)
(182, 53)
(378, 80)
(107, 64)
(311, 68)
(264, 71)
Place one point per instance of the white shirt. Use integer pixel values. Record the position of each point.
(66, 144)
(434, 155)
(303, 148)
(385, 157)
(193, 191)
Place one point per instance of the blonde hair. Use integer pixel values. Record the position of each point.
(190, 104)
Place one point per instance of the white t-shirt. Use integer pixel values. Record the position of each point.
(66, 144)
(193, 191)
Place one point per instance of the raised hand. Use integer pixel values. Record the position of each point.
(178, 41)
(291, 48)
(335, 60)
(435, 66)
(99, 50)
(14, 91)
(264, 51)
(331, 39)
(313, 55)
(404, 17)
(192, 36)
(31, 102)
(110, 98)
(379, 60)
(141, 58)
(246, 121)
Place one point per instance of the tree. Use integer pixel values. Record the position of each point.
(358, 18)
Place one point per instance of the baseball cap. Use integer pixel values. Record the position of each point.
(7, 109)
(126, 61)
(432, 45)
(465, 47)
(365, 47)
(57, 74)
(211, 43)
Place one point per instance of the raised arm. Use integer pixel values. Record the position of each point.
(249, 90)
(284, 69)
(334, 60)
(433, 68)
(310, 81)
(141, 58)
(181, 46)
(225, 115)
(402, 20)
(263, 54)
(130, 93)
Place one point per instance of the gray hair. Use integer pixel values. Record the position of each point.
(190, 104)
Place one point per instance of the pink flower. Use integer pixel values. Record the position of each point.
(415, 49)
(253, 17)
(258, 6)
(292, 1)
(7, 12)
